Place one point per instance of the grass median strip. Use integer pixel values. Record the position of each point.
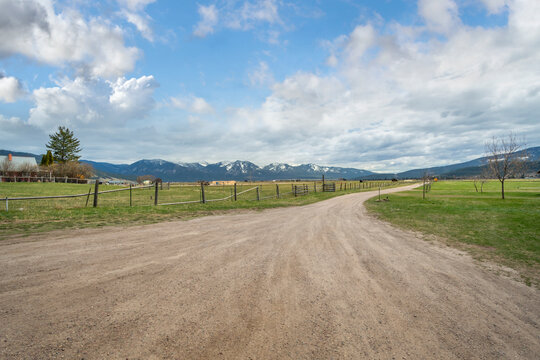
(506, 231)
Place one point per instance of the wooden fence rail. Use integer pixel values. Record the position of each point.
(329, 187)
(53, 179)
(296, 190)
(94, 194)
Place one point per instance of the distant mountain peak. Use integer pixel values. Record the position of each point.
(245, 170)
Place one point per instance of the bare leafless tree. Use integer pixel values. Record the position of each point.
(28, 169)
(481, 179)
(143, 178)
(505, 158)
(6, 166)
(72, 169)
(484, 177)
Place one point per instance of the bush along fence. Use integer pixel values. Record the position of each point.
(164, 194)
(47, 178)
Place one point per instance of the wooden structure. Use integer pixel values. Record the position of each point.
(300, 190)
(329, 187)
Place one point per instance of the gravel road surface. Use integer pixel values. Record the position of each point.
(323, 281)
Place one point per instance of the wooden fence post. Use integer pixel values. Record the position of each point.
(130, 196)
(96, 189)
(156, 193)
(258, 195)
(234, 191)
(315, 186)
(7, 205)
(203, 198)
(277, 191)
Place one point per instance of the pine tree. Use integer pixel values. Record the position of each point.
(50, 158)
(47, 159)
(65, 145)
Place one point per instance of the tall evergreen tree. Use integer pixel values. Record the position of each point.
(64, 145)
(47, 159)
(50, 158)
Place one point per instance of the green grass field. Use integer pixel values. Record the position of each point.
(30, 216)
(506, 231)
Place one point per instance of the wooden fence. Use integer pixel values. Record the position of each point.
(299, 190)
(329, 187)
(43, 179)
(173, 195)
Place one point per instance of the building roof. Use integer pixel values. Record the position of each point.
(19, 161)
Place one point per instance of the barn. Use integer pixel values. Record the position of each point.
(18, 168)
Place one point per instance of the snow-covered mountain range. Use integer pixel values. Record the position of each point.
(225, 170)
(245, 170)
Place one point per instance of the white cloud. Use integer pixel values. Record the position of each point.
(209, 19)
(360, 40)
(494, 6)
(15, 131)
(251, 13)
(135, 5)
(261, 75)
(334, 47)
(141, 22)
(200, 106)
(192, 104)
(397, 101)
(523, 19)
(35, 30)
(440, 15)
(84, 103)
(133, 12)
(332, 60)
(397, 97)
(243, 17)
(11, 89)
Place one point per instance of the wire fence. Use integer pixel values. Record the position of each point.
(33, 196)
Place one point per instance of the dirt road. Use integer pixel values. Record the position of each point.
(323, 281)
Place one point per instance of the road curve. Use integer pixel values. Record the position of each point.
(322, 281)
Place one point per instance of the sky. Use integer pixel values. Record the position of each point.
(382, 85)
